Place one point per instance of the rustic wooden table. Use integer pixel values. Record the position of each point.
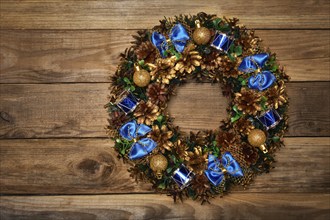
(56, 160)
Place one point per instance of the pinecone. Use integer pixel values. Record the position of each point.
(157, 93)
(227, 139)
(162, 137)
(226, 90)
(229, 68)
(142, 36)
(212, 61)
(247, 101)
(245, 180)
(243, 126)
(163, 71)
(181, 149)
(117, 119)
(146, 113)
(164, 27)
(276, 95)
(250, 154)
(248, 41)
(201, 185)
(196, 160)
(146, 51)
(202, 16)
(202, 138)
(190, 59)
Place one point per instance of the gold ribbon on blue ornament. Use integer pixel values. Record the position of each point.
(216, 169)
(264, 78)
(178, 36)
(142, 147)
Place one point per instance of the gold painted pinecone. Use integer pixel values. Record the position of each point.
(229, 68)
(157, 93)
(181, 149)
(243, 126)
(276, 95)
(162, 137)
(190, 59)
(248, 101)
(163, 71)
(248, 41)
(196, 160)
(146, 113)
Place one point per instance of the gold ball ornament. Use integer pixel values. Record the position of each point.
(158, 163)
(141, 77)
(257, 138)
(201, 35)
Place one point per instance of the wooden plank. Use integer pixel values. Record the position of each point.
(90, 166)
(47, 56)
(76, 110)
(118, 207)
(64, 166)
(60, 14)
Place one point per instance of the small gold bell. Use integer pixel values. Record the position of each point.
(158, 163)
(257, 138)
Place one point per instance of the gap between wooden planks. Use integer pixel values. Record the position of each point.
(49, 56)
(76, 110)
(117, 207)
(65, 14)
(90, 166)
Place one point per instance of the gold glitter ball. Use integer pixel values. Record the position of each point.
(257, 137)
(201, 35)
(141, 78)
(158, 163)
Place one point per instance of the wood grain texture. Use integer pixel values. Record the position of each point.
(76, 110)
(64, 14)
(48, 56)
(119, 207)
(65, 166)
(90, 166)
(55, 60)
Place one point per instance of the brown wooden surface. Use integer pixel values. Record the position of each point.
(117, 14)
(37, 56)
(89, 166)
(55, 60)
(76, 110)
(233, 206)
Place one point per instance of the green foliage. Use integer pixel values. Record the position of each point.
(238, 114)
(263, 103)
(122, 146)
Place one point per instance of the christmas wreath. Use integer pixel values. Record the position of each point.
(198, 165)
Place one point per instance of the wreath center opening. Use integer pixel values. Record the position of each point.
(198, 106)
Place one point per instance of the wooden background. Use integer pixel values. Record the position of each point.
(56, 161)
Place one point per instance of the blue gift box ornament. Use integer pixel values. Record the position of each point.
(127, 102)
(222, 42)
(183, 176)
(270, 119)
